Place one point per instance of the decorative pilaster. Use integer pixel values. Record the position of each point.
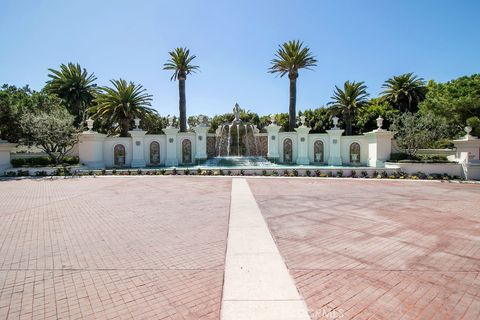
(272, 130)
(379, 145)
(334, 135)
(201, 135)
(171, 133)
(5, 149)
(302, 143)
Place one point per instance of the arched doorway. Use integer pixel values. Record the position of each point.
(119, 155)
(287, 150)
(355, 153)
(318, 151)
(186, 151)
(154, 153)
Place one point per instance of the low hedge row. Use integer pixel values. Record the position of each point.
(41, 162)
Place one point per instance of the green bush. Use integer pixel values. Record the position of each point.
(41, 162)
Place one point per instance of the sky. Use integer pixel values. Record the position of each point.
(234, 41)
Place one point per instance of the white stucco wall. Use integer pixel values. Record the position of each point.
(346, 141)
(452, 169)
(311, 143)
(162, 140)
(281, 138)
(108, 146)
(181, 136)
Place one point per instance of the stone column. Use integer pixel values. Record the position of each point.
(467, 148)
(171, 158)
(272, 131)
(379, 145)
(302, 143)
(5, 149)
(138, 152)
(201, 143)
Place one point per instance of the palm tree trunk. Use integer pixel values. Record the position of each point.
(348, 125)
(292, 112)
(182, 105)
(125, 126)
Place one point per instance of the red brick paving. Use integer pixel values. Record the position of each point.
(117, 248)
(378, 249)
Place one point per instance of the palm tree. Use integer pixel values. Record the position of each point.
(291, 57)
(349, 101)
(75, 87)
(122, 103)
(404, 92)
(181, 63)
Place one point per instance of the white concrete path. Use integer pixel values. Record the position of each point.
(257, 283)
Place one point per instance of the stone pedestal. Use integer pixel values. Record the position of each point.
(138, 153)
(5, 149)
(335, 156)
(467, 149)
(272, 131)
(90, 149)
(201, 143)
(171, 157)
(302, 143)
(379, 147)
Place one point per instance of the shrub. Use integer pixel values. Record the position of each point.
(364, 174)
(114, 172)
(65, 171)
(174, 171)
(104, 172)
(264, 172)
(41, 161)
(139, 171)
(242, 172)
(340, 173)
(353, 174)
(209, 172)
(186, 172)
(286, 173)
(23, 173)
(384, 174)
(220, 172)
(375, 174)
(163, 171)
(41, 173)
(318, 172)
(308, 173)
(330, 174)
(323, 175)
(295, 172)
(274, 173)
(229, 172)
(10, 173)
(199, 171)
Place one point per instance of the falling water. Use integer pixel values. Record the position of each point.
(229, 139)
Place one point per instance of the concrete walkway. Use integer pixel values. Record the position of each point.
(257, 283)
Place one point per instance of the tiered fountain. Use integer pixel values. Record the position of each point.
(236, 144)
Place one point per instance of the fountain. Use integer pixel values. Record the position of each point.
(236, 144)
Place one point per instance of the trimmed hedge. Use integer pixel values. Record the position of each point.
(421, 158)
(41, 162)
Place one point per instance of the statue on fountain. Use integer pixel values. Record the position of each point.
(236, 113)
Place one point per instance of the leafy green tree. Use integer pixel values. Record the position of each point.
(455, 101)
(290, 57)
(319, 119)
(15, 102)
(75, 86)
(474, 122)
(122, 103)
(417, 131)
(54, 132)
(366, 118)
(348, 101)
(404, 92)
(180, 63)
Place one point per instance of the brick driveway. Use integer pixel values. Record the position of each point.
(119, 248)
(378, 249)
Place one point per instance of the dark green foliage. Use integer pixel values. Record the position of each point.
(404, 92)
(41, 161)
(347, 102)
(290, 57)
(75, 87)
(455, 101)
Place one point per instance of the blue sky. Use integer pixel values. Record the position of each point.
(234, 42)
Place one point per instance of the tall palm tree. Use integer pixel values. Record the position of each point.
(180, 63)
(404, 92)
(75, 87)
(290, 57)
(122, 103)
(349, 101)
